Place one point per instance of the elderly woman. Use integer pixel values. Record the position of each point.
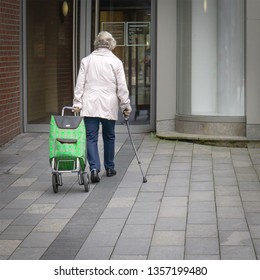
(100, 89)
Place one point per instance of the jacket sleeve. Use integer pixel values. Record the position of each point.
(79, 88)
(122, 90)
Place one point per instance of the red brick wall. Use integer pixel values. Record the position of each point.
(9, 70)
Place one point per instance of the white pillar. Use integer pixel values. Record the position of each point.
(204, 57)
(231, 57)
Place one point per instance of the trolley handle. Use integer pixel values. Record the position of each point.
(68, 108)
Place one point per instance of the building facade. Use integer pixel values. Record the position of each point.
(10, 74)
(192, 66)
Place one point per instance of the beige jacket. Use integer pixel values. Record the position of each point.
(101, 86)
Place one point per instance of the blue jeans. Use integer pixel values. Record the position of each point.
(108, 134)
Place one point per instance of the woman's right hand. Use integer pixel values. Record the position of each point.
(76, 109)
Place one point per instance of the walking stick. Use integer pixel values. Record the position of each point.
(134, 148)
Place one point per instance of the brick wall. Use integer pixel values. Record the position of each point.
(9, 70)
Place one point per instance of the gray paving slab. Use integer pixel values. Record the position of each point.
(173, 212)
(132, 246)
(51, 225)
(200, 202)
(176, 191)
(251, 207)
(28, 219)
(7, 179)
(16, 232)
(255, 231)
(10, 213)
(202, 257)
(168, 238)
(142, 218)
(166, 253)
(230, 212)
(7, 247)
(201, 196)
(137, 231)
(253, 218)
(27, 253)
(238, 238)
(256, 242)
(24, 182)
(9, 194)
(202, 186)
(39, 239)
(201, 231)
(61, 213)
(227, 200)
(116, 212)
(223, 190)
(128, 257)
(20, 203)
(171, 223)
(237, 253)
(202, 246)
(100, 239)
(246, 186)
(232, 224)
(4, 223)
(202, 206)
(96, 253)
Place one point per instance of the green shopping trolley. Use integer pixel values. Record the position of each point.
(67, 148)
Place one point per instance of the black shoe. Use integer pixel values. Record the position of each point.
(94, 176)
(111, 172)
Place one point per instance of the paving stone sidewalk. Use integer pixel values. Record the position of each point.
(200, 202)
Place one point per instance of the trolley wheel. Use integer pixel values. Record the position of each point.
(59, 178)
(86, 182)
(55, 183)
(80, 178)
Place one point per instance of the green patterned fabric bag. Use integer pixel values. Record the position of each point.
(67, 142)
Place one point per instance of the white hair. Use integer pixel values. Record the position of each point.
(105, 40)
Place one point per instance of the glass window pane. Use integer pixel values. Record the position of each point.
(130, 23)
(211, 57)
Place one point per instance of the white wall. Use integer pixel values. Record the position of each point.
(253, 69)
(166, 64)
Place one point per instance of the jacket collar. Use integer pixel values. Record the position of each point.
(103, 51)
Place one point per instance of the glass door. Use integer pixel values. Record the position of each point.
(50, 57)
(129, 21)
